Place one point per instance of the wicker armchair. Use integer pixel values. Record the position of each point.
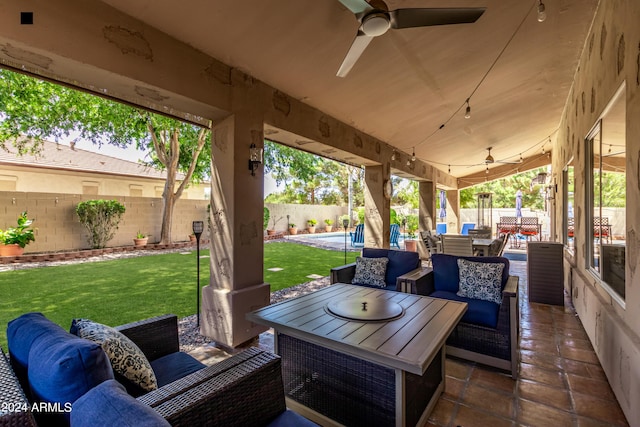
(497, 347)
(245, 389)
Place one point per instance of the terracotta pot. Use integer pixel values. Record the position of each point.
(271, 232)
(140, 242)
(328, 228)
(11, 250)
(411, 245)
(192, 237)
(311, 230)
(293, 230)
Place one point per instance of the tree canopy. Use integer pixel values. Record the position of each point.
(32, 110)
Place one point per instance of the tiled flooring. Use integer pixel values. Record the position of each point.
(560, 381)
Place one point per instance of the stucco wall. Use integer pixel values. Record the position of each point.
(610, 58)
(57, 226)
(47, 180)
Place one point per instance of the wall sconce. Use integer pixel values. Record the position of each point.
(255, 158)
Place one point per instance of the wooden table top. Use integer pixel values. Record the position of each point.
(409, 342)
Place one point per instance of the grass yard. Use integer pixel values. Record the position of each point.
(125, 290)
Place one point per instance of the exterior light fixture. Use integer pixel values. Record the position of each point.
(542, 13)
(197, 228)
(467, 112)
(255, 158)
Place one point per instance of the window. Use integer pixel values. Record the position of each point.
(569, 182)
(606, 197)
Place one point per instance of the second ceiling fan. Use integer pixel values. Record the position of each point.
(376, 19)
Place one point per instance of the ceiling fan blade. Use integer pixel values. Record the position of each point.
(356, 6)
(426, 17)
(358, 46)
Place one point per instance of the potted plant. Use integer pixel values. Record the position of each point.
(293, 229)
(311, 225)
(410, 244)
(141, 239)
(14, 239)
(271, 231)
(329, 225)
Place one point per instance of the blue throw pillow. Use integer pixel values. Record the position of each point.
(108, 404)
(480, 280)
(22, 332)
(370, 271)
(63, 368)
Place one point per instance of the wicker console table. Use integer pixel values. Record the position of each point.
(342, 371)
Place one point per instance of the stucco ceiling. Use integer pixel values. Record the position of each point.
(408, 82)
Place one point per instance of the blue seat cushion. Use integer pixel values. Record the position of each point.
(62, 368)
(22, 332)
(479, 312)
(289, 418)
(174, 366)
(400, 262)
(446, 274)
(108, 404)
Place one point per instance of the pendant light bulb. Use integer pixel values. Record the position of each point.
(413, 156)
(467, 112)
(542, 13)
(487, 170)
(393, 156)
(408, 162)
(521, 159)
(449, 169)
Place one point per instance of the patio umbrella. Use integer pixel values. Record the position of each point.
(443, 204)
(519, 204)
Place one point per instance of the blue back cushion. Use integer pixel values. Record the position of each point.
(63, 368)
(22, 332)
(400, 262)
(174, 366)
(446, 274)
(108, 404)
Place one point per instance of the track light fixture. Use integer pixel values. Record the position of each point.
(467, 112)
(542, 13)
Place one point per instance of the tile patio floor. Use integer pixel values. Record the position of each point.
(560, 381)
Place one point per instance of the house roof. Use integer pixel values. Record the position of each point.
(62, 157)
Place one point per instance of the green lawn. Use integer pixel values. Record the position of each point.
(125, 290)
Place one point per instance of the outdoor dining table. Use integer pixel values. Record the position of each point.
(353, 355)
(481, 246)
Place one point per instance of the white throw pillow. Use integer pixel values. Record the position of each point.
(370, 271)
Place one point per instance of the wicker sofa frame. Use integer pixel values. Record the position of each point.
(493, 347)
(245, 389)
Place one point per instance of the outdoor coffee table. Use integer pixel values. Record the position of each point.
(354, 355)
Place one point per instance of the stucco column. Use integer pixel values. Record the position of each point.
(426, 212)
(236, 285)
(453, 211)
(377, 207)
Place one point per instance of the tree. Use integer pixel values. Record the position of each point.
(32, 110)
(504, 192)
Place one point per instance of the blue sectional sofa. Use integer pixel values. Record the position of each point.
(488, 333)
(73, 380)
(400, 266)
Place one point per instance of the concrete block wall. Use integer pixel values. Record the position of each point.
(58, 229)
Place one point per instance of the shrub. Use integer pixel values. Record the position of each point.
(101, 219)
(265, 218)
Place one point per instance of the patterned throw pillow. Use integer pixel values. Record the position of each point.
(480, 280)
(125, 357)
(370, 271)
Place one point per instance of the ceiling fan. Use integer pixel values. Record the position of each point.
(489, 159)
(375, 19)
